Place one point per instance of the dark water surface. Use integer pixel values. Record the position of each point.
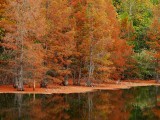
(140, 103)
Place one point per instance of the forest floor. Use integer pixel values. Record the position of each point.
(57, 89)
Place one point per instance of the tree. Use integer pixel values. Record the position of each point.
(60, 41)
(120, 56)
(145, 65)
(137, 16)
(97, 37)
(22, 34)
(120, 51)
(154, 42)
(92, 39)
(5, 73)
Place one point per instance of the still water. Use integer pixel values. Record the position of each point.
(139, 103)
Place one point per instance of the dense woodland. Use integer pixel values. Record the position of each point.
(47, 41)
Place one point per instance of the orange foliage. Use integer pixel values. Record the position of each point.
(60, 41)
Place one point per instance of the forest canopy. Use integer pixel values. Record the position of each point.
(47, 41)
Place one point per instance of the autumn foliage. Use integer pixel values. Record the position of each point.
(46, 41)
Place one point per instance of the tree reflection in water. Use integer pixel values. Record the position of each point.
(18, 102)
(137, 103)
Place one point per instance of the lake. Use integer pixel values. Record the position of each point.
(139, 103)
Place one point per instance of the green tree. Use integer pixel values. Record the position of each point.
(138, 14)
(145, 65)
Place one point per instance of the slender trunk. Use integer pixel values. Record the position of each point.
(74, 78)
(90, 67)
(91, 52)
(91, 70)
(21, 26)
(65, 82)
(21, 40)
(34, 85)
(20, 85)
(79, 77)
(157, 77)
(15, 82)
(45, 44)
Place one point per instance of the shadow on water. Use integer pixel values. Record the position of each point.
(139, 103)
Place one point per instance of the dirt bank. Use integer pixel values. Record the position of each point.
(77, 89)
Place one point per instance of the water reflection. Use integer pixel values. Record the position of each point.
(18, 103)
(141, 103)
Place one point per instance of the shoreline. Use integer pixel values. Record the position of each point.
(76, 89)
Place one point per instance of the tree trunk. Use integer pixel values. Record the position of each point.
(79, 77)
(15, 84)
(20, 84)
(74, 78)
(34, 85)
(21, 38)
(130, 14)
(65, 82)
(91, 52)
